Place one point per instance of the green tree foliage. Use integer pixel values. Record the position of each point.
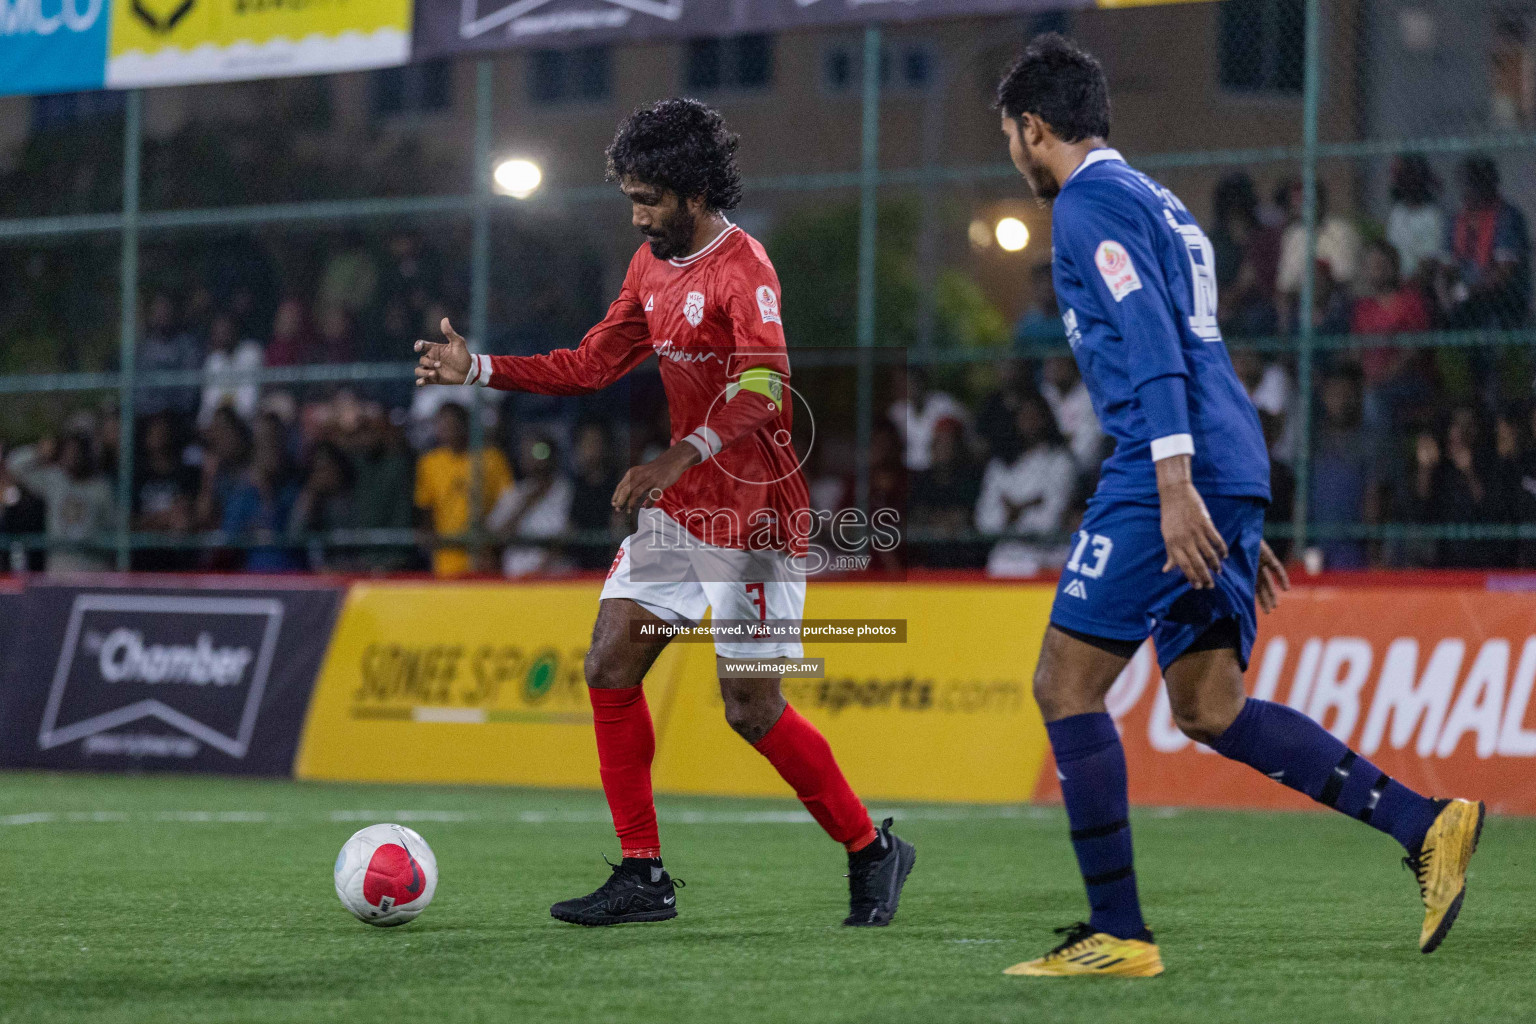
(815, 250)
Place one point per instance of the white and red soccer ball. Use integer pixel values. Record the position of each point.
(386, 875)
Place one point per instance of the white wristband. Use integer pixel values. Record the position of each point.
(1173, 444)
(706, 441)
(479, 371)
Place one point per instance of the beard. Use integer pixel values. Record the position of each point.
(1041, 181)
(673, 237)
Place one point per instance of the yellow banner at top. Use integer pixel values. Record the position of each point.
(173, 42)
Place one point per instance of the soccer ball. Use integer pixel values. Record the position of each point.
(386, 875)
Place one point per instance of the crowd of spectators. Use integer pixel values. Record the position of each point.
(232, 474)
(991, 468)
(312, 486)
(1414, 435)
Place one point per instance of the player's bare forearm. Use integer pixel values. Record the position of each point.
(643, 485)
(1193, 543)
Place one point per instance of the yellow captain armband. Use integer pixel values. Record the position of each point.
(764, 381)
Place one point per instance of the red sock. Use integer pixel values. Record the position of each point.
(626, 745)
(803, 757)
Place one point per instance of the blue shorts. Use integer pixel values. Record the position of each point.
(1114, 586)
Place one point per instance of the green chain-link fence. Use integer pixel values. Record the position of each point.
(1365, 161)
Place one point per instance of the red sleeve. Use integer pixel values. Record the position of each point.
(610, 350)
(739, 417)
(757, 331)
(757, 325)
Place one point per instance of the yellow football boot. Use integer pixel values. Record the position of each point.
(1441, 867)
(1087, 952)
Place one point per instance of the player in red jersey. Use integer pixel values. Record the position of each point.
(723, 512)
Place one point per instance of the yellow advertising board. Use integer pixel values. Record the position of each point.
(461, 683)
(483, 683)
(946, 716)
(172, 42)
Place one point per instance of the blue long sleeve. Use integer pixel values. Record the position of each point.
(1165, 408)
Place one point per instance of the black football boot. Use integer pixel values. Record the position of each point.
(875, 877)
(634, 892)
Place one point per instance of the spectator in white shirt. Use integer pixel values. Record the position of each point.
(537, 506)
(80, 504)
(1416, 224)
(917, 411)
(227, 358)
(1269, 389)
(1028, 493)
(1063, 389)
(1338, 245)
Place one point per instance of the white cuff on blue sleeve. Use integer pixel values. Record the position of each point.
(1173, 444)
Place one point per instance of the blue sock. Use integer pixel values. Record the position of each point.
(1091, 764)
(1291, 748)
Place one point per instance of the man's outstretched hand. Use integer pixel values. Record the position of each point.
(443, 362)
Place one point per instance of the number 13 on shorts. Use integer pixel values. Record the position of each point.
(1096, 547)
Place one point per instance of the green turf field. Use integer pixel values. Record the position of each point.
(205, 900)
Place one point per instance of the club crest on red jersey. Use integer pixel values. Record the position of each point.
(693, 308)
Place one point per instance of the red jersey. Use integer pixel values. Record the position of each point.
(707, 317)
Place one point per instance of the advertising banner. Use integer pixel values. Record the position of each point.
(461, 683)
(459, 26)
(1432, 684)
(53, 45)
(484, 683)
(946, 716)
(172, 42)
(185, 679)
(10, 615)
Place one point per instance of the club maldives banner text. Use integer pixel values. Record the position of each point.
(1433, 684)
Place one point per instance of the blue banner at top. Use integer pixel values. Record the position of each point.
(53, 45)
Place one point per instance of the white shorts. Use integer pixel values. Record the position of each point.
(675, 576)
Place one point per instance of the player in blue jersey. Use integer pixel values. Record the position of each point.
(1172, 543)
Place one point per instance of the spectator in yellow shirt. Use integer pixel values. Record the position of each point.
(442, 485)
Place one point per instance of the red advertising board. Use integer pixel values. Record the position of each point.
(1433, 684)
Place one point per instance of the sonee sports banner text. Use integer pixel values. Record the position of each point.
(484, 683)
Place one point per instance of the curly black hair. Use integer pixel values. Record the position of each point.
(680, 145)
(1062, 84)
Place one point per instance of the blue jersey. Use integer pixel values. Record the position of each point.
(1136, 280)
